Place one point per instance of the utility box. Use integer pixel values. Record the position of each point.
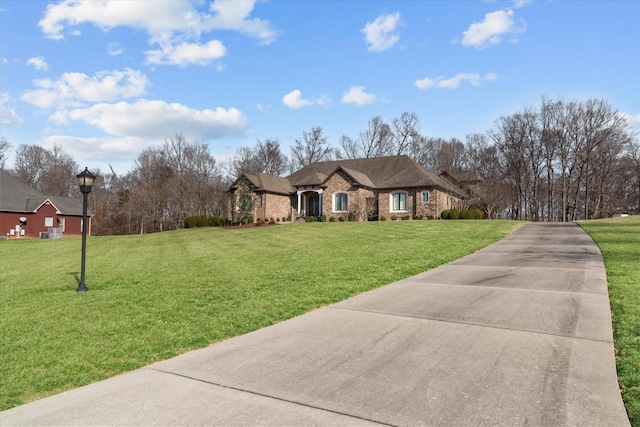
(54, 233)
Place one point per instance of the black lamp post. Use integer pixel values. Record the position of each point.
(85, 181)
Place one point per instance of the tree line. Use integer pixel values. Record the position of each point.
(557, 161)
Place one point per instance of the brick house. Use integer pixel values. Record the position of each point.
(365, 188)
(26, 212)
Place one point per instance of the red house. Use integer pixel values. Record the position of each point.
(26, 212)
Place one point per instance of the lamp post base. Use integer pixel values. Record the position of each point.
(82, 288)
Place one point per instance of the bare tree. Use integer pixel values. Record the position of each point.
(350, 148)
(492, 194)
(244, 161)
(4, 148)
(312, 147)
(60, 173)
(376, 140)
(264, 157)
(49, 171)
(30, 165)
(270, 157)
(405, 132)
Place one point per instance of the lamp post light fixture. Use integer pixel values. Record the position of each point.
(85, 181)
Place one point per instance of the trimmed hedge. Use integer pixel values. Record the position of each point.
(473, 213)
(203, 221)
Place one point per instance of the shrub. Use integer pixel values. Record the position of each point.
(430, 217)
(450, 214)
(289, 217)
(383, 218)
(476, 213)
(393, 217)
(203, 221)
(216, 221)
(406, 218)
(332, 219)
(323, 218)
(310, 219)
(259, 222)
(341, 219)
(272, 221)
(351, 216)
(418, 217)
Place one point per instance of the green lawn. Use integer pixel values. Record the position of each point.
(155, 296)
(619, 242)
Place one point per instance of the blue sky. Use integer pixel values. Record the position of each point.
(107, 79)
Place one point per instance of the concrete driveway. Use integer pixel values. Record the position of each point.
(518, 333)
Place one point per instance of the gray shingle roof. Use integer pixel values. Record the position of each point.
(16, 196)
(383, 173)
(378, 172)
(269, 183)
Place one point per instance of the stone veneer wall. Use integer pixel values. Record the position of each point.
(357, 198)
(438, 201)
(277, 206)
(336, 184)
(385, 204)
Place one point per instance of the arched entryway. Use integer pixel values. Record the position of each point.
(309, 202)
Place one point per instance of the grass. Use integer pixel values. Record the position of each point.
(155, 296)
(619, 242)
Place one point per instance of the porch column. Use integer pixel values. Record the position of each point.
(320, 202)
(299, 202)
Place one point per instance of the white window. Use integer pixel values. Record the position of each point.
(62, 224)
(425, 196)
(340, 202)
(48, 221)
(399, 202)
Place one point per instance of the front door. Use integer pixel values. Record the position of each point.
(314, 205)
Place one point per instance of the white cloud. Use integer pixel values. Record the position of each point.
(234, 15)
(174, 25)
(491, 30)
(150, 119)
(154, 17)
(633, 120)
(75, 89)
(521, 3)
(114, 49)
(357, 95)
(97, 149)
(8, 116)
(38, 63)
(381, 34)
(294, 100)
(454, 82)
(184, 54)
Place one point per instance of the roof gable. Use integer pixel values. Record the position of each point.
(355, 176)
(264, 182)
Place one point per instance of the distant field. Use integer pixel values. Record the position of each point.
(155, 296)
(619, 242)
